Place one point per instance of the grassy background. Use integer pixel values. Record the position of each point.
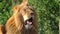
(47, 10)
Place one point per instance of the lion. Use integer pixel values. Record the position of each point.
(23, 20)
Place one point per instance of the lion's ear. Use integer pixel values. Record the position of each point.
(25, 1)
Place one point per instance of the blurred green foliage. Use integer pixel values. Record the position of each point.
(47, 10)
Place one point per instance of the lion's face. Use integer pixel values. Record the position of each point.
(28, 16)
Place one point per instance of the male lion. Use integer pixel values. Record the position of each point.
(23, 20)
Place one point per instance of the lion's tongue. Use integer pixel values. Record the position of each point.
(28, 22)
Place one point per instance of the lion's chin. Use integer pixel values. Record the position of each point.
(28, 26)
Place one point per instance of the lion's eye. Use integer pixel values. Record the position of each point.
(32, 14)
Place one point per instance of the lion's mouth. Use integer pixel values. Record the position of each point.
(29, 21)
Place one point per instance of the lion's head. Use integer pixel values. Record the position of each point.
(28, 14)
